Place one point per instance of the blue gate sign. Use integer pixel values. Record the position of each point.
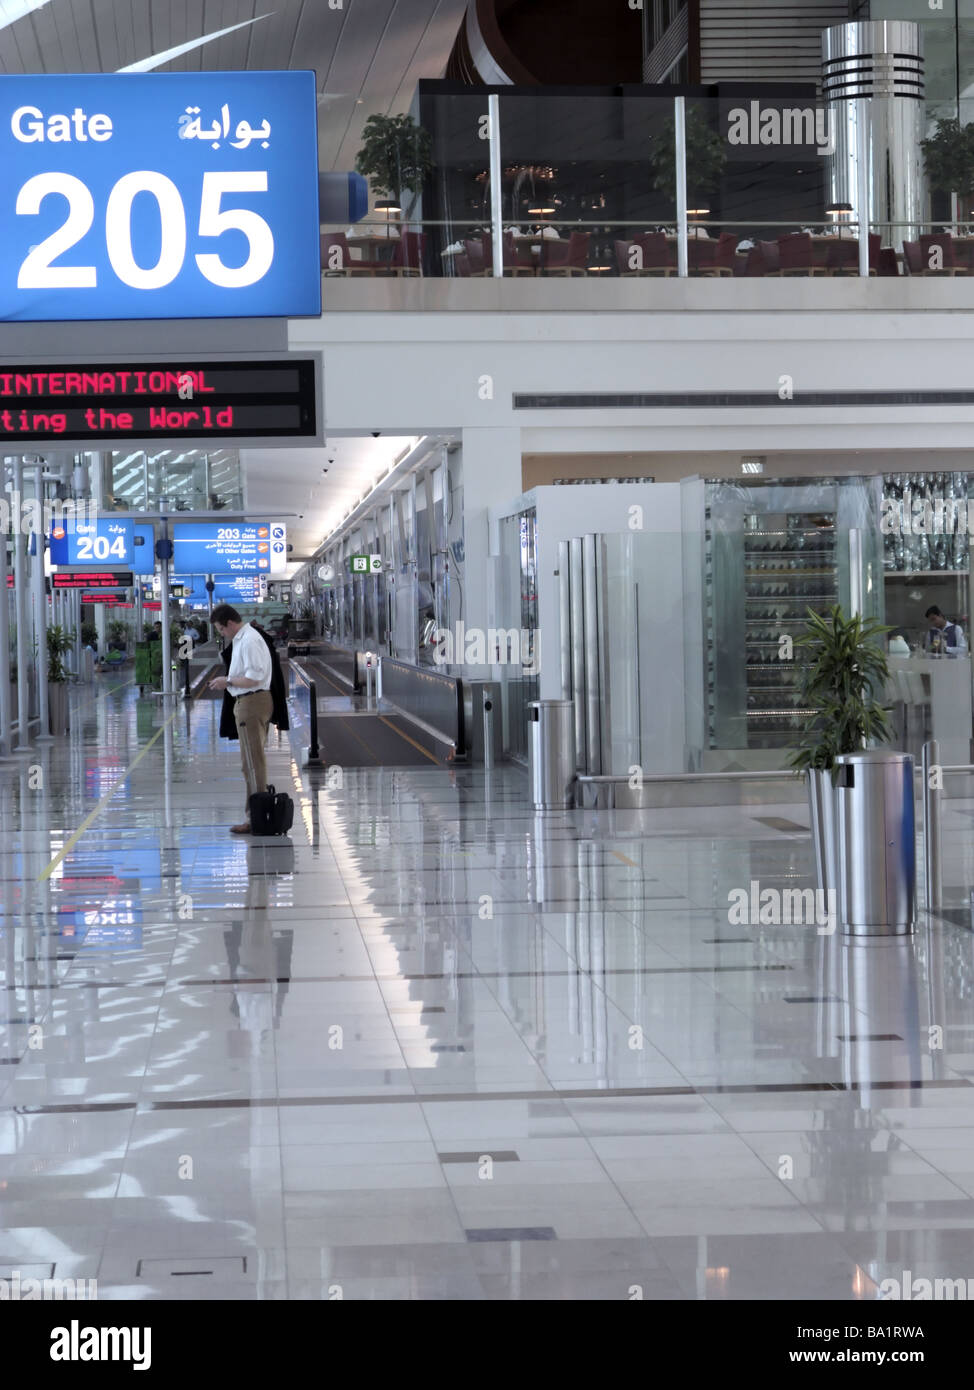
(236, 547)
(101, 544)
(159, 195)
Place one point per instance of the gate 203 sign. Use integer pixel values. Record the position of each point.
(159, 195)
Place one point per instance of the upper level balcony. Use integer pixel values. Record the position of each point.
(623, 198)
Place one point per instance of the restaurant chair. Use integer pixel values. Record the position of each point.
(565, 257)
(659, 255)
(701, 257)
(461, 265)
(624, 258)
(476, 258)
(726, 259)
(336, 258)
(762, 259)
(912, 260)
(517, 258)
(407, 255)
(796, 256)
(928, 248)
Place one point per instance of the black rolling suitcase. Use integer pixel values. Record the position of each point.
(271, 813)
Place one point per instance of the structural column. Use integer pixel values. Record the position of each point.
(40, 602)
(491, 478)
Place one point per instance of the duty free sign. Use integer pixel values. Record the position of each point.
(159, 195)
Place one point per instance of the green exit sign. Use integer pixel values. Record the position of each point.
(365, 564)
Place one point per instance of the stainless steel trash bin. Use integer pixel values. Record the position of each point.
(551, 753)
(876, 844)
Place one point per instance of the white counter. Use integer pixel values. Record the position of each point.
(945, 685)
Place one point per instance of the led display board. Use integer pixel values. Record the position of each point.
(229, 548)
(92, 579)
(269, 399)
(159, 195)
(241, 588)
(108, 541)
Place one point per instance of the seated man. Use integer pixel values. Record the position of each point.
(949, 634)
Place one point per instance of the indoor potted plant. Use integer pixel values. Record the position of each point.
(396, 155)
(706, 157)
(843, 682)
(58, 643)
(948, 155)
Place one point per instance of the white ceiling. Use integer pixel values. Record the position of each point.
(320, 500)
(368, 56)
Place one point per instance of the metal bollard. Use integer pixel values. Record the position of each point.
(488, 735)
(368, 680)
(932, 868)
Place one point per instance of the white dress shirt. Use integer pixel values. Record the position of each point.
(250, 659)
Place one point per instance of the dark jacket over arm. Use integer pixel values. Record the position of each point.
(279, 715)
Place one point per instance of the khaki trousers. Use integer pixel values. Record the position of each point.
(252, 714)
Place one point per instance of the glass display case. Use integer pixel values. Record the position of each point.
(773, 553)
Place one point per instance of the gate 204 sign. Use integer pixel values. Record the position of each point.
(159, 195)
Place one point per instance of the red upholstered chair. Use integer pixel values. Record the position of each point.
(565, 257)
(942, 264)
(796, 256)
(659, 256)
(843, 256)
(461, 265)
(624, 258)
(336, 258)
(912, 260)
(517, 258)
(762, 259)
(407, 255)
(726, 259)
(701, 256)
(476, 257)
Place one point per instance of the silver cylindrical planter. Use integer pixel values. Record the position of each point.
(876, 844)
(873, 85)
(551, 754)
(821, 808)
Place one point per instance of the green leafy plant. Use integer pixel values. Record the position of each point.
(118, 634)
(844, 683)
(59, 642)
(949, 157)
(706, 157)
(89, 635)
(396, 154)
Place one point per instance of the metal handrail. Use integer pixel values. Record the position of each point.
(314, 752)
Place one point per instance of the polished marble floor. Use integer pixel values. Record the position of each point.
(437, 1047)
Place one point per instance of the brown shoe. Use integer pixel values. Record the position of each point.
(242, 829)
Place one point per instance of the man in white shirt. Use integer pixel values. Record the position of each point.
(249, 682)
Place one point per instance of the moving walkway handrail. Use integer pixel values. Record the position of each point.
(314, 752)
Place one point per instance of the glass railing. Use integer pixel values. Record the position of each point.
(616, 185)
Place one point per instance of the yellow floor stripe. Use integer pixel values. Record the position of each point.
(625, 858)
(418, 746)
(100, 806)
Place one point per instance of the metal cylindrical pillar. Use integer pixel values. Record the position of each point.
(40, 602)
(21, 608)
(933, 889)
(873, 84)
(164, 615)
(5, 701)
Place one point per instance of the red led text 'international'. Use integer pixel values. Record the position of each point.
(101, 383)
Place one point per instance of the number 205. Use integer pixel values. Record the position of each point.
(37, 272)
